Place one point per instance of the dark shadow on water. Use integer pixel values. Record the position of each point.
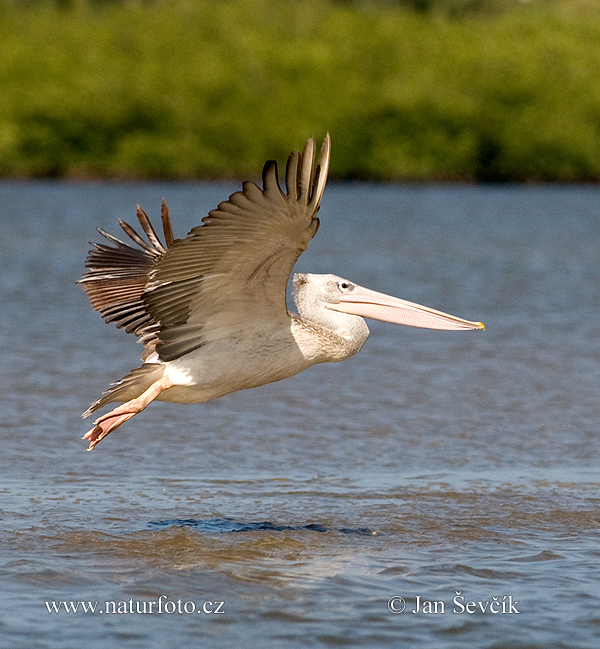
(228, 525)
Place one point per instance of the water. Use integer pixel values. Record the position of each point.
(431, 464)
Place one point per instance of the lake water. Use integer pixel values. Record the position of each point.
(437, 467)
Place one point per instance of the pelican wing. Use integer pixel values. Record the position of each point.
(232, 271)
(117, 275)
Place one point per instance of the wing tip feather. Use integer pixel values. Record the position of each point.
(305, 178)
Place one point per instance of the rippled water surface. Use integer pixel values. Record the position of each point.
(438, 467)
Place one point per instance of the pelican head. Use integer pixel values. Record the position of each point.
(338, 304)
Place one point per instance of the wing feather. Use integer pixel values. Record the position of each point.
(166, 221)
(305, 172)
(149, 230)
(117, 275)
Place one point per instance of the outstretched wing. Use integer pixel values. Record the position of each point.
(231, 272)
(117, 275)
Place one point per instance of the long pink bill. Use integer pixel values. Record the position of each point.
(371, 304)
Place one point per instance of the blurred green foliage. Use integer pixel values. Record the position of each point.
(409, 89)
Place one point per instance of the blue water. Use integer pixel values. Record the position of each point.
(431, 466)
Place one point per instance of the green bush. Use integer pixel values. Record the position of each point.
(206, 88)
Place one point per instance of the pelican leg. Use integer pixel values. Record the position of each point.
(113, 419)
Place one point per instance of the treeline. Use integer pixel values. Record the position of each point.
(409, 89)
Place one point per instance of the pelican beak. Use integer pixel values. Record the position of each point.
(370, 304)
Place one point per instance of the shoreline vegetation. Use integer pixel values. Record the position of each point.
(410, 90)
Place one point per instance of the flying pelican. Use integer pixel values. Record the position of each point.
(211, 310)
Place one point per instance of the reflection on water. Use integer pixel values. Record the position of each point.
(228, 525)
(431, 463)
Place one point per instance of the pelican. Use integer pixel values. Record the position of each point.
(210, 309)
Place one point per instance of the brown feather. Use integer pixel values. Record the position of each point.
(129, 387)
(117, 275)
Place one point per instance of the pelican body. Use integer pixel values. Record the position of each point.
(210, 309)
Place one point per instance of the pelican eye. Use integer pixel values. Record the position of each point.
(345, 287)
